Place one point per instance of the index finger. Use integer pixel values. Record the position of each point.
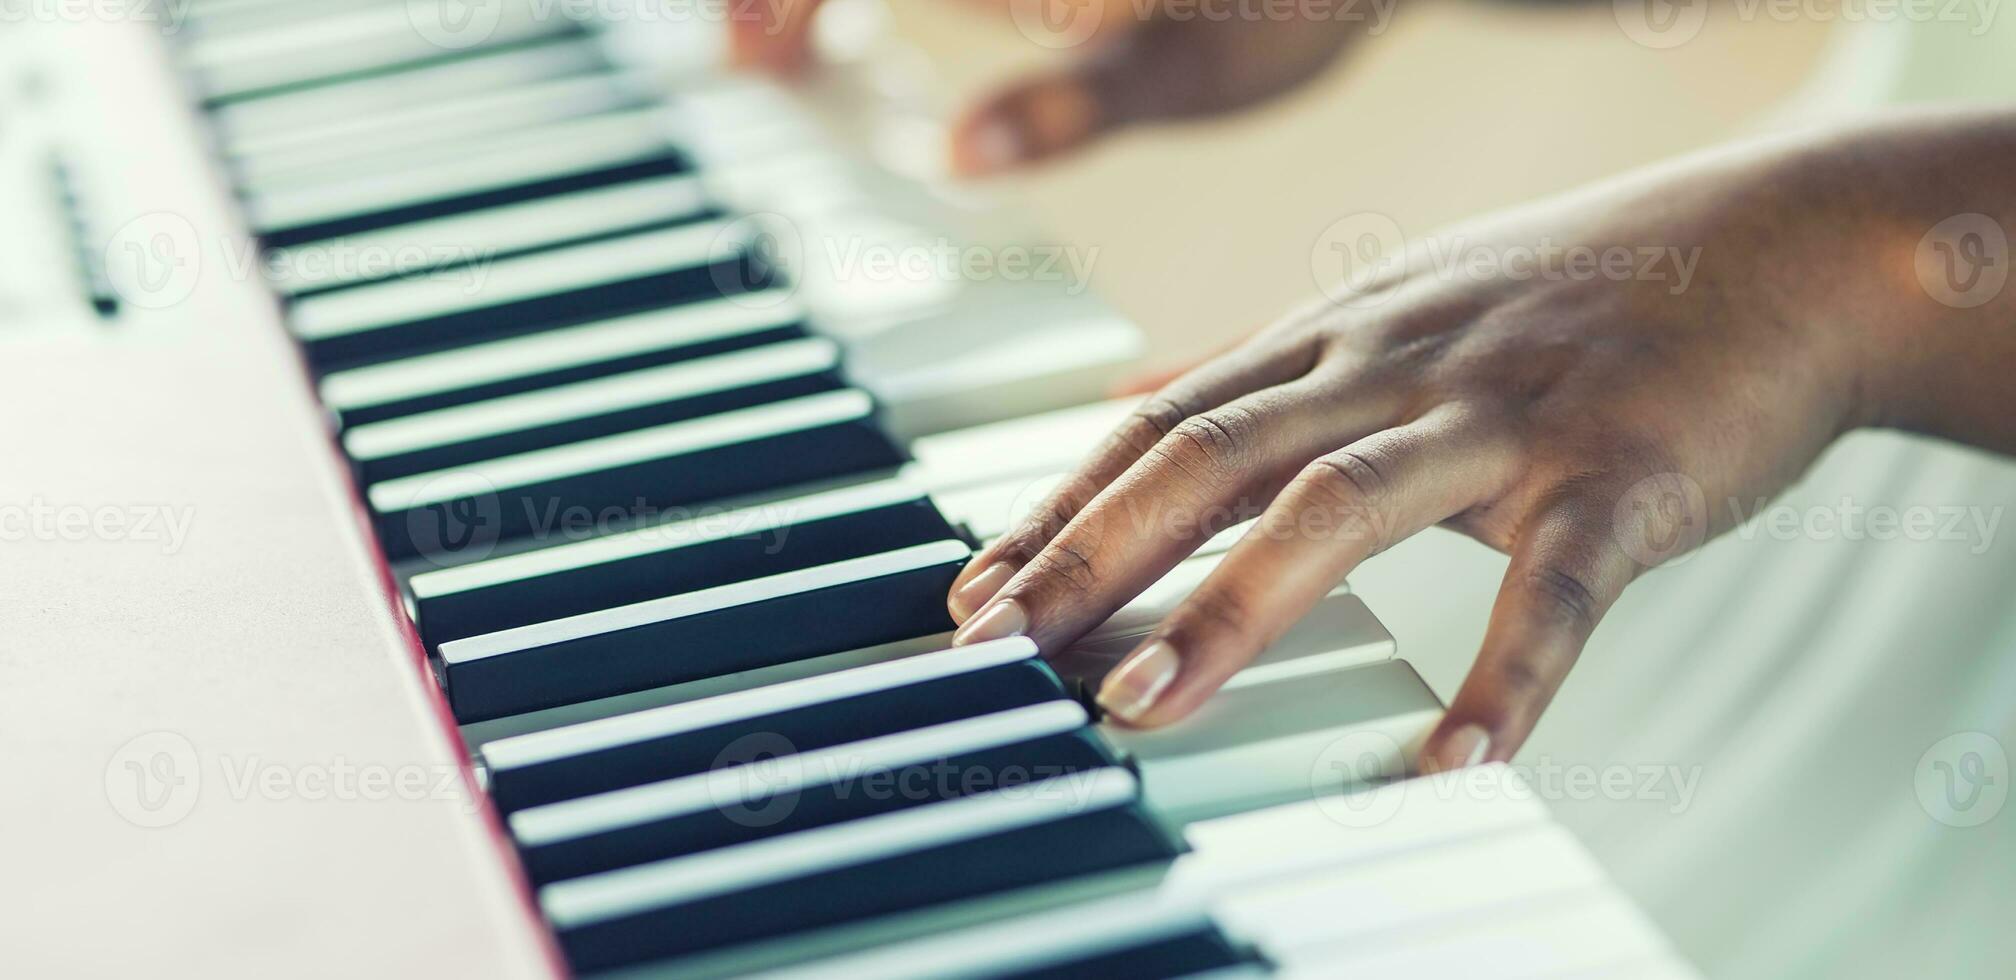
(1341, 510)
(1258, 363)
(1210, 472)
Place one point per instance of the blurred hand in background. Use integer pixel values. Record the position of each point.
(1137, 61)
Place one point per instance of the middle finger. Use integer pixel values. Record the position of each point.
(1196, 481)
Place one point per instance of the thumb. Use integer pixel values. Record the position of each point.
(1113, 82)
(1030, 121)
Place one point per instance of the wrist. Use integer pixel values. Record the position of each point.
(1919, 216)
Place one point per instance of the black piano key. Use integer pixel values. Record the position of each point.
(829, 609)
(598, 933)
(861, 795)
(730, 273)
(1191, 953)
(461, 264)
(466, 510)
(562, 356)
(669, 163)
(808, 714)
(592, 409)
(710, 550)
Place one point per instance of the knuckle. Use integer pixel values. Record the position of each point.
(1069, 565)
(1520, 681)
(1348, 477)
(1204, 446)
(1153, 421)
(1566, 596)
(1217, 611)
(1049, 519)
(1019, 549)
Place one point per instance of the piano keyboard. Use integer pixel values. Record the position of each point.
(674, 509)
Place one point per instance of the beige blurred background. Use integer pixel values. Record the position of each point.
(1205, 229)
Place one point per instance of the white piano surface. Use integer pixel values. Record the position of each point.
(260, 643)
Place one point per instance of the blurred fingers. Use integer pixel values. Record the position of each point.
(774, 35)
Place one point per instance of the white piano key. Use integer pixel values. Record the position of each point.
(355, 26)
(991, 510)
(509, 159)
(1637, 968)
(360, 40)
(538, 748)
(554, 350)
(284, 112)
(583, 399)
(1334, 833)
(672, 439)
(366, 308)
(217, 19)
(1033, 363)
(616, 894)
(1141, 615)
(480, 236)
(1030, 447)
(669, 536)
(1257, 744)
(505, 642)
(583, 816)
(426, 119)
(1583, 931)
(1474, 877)
(1338, 634)
(205, 9)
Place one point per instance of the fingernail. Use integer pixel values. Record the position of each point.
(1470, 744)
(992, 145)
(1134, 686)
(979, 589)
(1002, 619)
